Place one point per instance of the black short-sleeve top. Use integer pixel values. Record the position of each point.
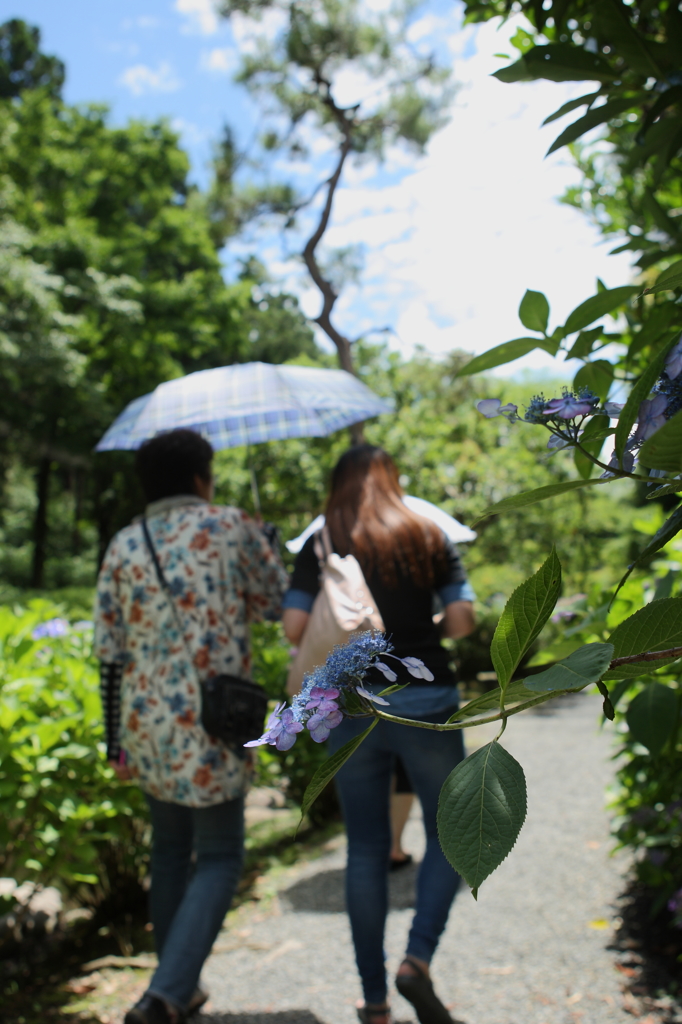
(407, 610)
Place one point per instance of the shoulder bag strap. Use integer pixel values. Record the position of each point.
(166, 589)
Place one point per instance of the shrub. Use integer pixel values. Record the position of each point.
(64, 817)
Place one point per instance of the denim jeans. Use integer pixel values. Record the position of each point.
(364, 785)
(189, 900)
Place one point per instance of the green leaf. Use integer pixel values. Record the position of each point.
(589, 98)
(584, 343)
(326, 772)
(524, 615)
(597, 306)
(534, 311)
(481, 810)
(595, 116)
(664, 449)
(652, 716)
(656, 627)
(664, 586)
(584, 666)
(516, 696)
(671, 527)
(532, 497)
(505, 353)
(630, 412)
(557, 62)
(667, 280)
(671, 488)
(597, 376)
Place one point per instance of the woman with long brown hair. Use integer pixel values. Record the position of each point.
(406, 559)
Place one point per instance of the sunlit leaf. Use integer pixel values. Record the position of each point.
(597, 306)
(505, 353)
(656, 627)
(481, 810)
(579, 669)
(524, 615)
(326, 772)
(532, 497)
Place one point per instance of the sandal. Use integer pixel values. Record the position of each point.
(418, 989)
(372, 1014)
(199, 997)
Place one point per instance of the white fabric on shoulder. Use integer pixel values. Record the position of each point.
(457, 532)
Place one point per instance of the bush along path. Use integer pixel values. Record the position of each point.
(537, 947)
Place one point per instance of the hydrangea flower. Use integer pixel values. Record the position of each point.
(280, 730)
(320, 706)
(652, 416)
(628, 463)
(51, 628)
(568, 407)
(492, 407)
(673, 363)
(613, 409)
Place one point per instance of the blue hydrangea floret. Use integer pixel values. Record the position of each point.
(321, 704)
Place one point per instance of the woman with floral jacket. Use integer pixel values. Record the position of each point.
(222, 574)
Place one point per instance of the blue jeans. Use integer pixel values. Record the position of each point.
(364, 785)
(189, 901)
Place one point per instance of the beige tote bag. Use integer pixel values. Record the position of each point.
(344, 606)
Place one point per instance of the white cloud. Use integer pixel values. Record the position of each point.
(452, 247)
(140, 78)
(201, 16)
(221, 60)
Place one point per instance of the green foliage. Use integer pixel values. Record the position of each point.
(526, 498)
(656, 627)
(64, 818)
(481, 810)
(584, 666)
(664, 449)
(534, 311)
(523, 618)
(652, 716)
(326, 772)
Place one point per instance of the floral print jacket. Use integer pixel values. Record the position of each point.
(223, 575)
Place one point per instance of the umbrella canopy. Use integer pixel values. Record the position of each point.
(451, 527)
(247, 403)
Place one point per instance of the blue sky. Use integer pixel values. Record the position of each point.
(450, 241)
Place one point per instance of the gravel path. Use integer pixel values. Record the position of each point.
(533, 950)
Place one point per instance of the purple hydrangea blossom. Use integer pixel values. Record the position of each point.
(568, 407)
(613, 409)
(368, 695)
(52, 628)
(673, 363)
(280, 730)
(320, 706)
(651, 417)
(417, 668)
(492, 407)
(628, 463)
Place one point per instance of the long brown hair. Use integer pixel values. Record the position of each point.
(367, 518)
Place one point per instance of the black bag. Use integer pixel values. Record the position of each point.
(232, 709)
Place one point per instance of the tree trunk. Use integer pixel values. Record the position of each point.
(77, 489)
(40, 526)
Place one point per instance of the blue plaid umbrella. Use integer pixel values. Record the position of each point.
(248, 403)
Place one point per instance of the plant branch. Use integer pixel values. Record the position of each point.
(631, 659)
